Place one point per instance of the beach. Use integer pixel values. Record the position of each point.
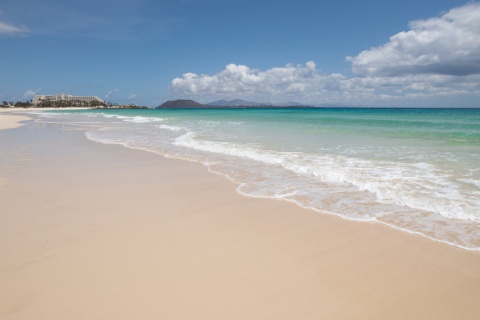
(98, 231)
(11, 121)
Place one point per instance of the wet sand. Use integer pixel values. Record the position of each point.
(92, 231)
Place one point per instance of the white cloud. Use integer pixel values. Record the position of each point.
(438, 57)
(274, 84)
(305, 84)
(29, 94)
(445, 45)
(12, 30)
(131, 96)
(109, 93)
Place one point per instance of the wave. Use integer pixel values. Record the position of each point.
(416, 185)
(400, 186)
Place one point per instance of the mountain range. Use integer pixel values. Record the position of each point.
(237, 103)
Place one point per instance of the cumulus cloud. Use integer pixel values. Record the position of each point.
(438, 57)
(445, 45)
(277, 83)
(304, 83)
(7, 29)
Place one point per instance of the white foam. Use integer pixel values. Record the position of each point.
(472, 182)
(171, 128)
(416, 185)
(140, 119)
(135, 119)
(391, 185)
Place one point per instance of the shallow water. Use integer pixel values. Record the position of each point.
(417, 170)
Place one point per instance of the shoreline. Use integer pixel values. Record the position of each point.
(131, 233)
(17, 119)
(20, 110)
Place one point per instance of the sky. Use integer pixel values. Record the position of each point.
(372, 53)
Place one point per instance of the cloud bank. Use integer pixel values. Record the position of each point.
(277, 84)
(437, 57)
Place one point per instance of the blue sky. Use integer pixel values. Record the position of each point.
(370, 53)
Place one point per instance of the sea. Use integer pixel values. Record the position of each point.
(415, 170)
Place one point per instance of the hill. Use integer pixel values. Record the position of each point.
(175, 104)
(185, 104)
(237, 103)
(244, 103)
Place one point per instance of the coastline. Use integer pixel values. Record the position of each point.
(11, 118)
(129, 234)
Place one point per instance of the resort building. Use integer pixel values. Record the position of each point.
(39, 99)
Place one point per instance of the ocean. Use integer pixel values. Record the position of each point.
(416, 170)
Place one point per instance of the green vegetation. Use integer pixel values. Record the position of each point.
(69, 104)
(18, 104)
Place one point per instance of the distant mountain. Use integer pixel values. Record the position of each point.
(175, 104)
(290, 104)
(237, 103)
(243, 103)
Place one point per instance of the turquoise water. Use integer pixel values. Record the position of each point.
(417, 170)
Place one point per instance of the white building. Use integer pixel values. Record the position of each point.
(63, 97)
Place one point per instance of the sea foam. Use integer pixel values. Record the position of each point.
(405, 177)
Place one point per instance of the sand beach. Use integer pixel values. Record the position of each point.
(11, 121)
(94, 231)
